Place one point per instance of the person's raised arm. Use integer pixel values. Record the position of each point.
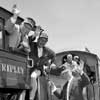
(10, 23)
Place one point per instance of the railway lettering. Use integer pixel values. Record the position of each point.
(11, 68)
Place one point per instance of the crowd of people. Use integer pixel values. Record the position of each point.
(23, 38)
(31, 39)
(76, 79)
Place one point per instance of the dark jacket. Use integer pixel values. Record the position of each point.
(39, 62)
(76, 89)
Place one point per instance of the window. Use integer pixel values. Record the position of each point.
(1, 32)
(0, 39)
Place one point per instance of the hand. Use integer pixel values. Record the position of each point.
(15, 11)
(31, 33)
(78, 70)
(47, 70)
(25, 44)
(81, 64)
(52, 86)
(53, 66)
(38, 30)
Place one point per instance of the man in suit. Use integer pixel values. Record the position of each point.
(41, 55)
(73, 88)
(18, 33)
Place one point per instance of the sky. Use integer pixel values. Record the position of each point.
(70, 24)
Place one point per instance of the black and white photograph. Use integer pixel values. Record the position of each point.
(49, 50)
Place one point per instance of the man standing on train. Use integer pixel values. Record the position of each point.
(41, 55)
(18, 33)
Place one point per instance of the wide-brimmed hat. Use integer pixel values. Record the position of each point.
(43, 35)
(30, 21)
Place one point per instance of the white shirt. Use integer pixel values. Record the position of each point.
(40, 52)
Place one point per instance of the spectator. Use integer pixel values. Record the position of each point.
(64, 59)
(73, 88)
(79, 62)
(69, 63)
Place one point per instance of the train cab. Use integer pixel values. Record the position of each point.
(14, 74)
(15, 66)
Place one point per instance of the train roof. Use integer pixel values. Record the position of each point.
(4, 13)
(76, 51)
